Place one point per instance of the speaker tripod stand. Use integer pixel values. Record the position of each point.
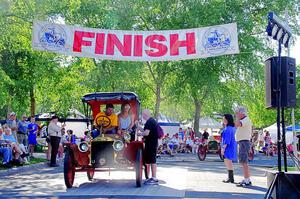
(285, 187)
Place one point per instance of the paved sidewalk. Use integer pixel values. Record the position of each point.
(182, 176)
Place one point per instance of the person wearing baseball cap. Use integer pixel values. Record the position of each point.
(55, 133)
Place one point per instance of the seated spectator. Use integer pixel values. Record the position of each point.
(5, 151)
(174, 143)
(188, 144)
(18, 150)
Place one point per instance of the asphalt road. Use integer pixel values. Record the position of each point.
(182, 176)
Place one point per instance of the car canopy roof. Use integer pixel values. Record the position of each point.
(110, 97)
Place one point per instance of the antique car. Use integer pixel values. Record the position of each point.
(214, 146)
(106, 152)
(206, 146)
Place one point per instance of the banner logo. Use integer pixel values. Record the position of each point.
(52, 37)
(217, 40)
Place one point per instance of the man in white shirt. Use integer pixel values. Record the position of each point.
(55, 134)
(243, 136)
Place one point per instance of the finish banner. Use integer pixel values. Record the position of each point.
(123, 45)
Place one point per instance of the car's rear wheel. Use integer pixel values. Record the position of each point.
(69, 169)
(90, 174)
(139, 168)
(201, 153)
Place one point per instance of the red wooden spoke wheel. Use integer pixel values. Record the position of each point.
(202, 153)
(69, 169)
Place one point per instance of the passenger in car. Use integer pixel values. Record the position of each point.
(109, 113)
(126, 119)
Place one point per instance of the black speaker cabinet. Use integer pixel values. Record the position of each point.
(288, 82)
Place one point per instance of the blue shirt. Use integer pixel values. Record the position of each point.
(228, 138)
(32, 128)
(23, 125)
(181, 134)
(10, 138)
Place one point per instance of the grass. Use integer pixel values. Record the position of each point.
(32, 161)
(289, 168)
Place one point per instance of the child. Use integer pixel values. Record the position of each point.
(32, 129)
(267, 143)
(86, 136)
(70, 137)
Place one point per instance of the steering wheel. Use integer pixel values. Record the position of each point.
(102, 121)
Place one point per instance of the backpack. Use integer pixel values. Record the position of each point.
(160, 131)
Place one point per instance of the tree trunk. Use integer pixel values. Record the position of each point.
(158, 100)
(32, 101)
(197, 116)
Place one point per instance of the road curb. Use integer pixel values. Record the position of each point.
(24, 168)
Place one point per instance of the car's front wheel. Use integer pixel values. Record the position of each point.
(69, 169)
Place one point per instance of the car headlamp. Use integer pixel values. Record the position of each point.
(83, 147)
(118, 145)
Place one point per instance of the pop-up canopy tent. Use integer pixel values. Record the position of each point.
(290, 128)
(273, 133)
(207, 122)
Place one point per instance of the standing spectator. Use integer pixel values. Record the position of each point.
(268, 141)
(243, 136)
(55, 135)
(13, 123)
(32, 132)
(196, 145)
(70, 138)
(228, 146)
(22, 131)
(86, 136)
(181, 133)
(151, 143)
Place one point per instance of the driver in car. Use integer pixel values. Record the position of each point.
(109, 113)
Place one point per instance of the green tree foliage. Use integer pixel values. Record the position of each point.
(34, 82)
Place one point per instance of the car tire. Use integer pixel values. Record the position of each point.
(90, 174)
(69, 169)
(201, 153)
(139, 168)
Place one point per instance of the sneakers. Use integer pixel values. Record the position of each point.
(7, 165)
(244, 183)
(151, 181)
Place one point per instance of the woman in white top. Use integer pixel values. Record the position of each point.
(125, 119)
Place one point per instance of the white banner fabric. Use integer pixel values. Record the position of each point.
(167, 45)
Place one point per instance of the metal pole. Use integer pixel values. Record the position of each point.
(293, 109)
(278, 96)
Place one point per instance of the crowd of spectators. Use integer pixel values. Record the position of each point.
(18, 140)
(184, 141)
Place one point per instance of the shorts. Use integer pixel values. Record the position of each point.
(244, 147)
(150, 154)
